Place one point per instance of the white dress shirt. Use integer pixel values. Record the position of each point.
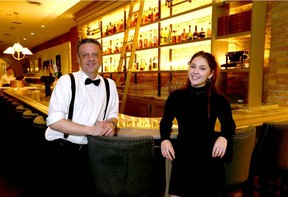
(6, 79)
(89, 104)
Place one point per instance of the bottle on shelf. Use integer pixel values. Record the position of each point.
(145, 40)
(209, 30)
(155, 38)
(156, 11)
(162, 36)
(150, 15)
(189, 35)
(155, 63)
(183, 35)
(178, 35)
(110, 29)
(165, 36)
(195, 33)
(114, 29)
(173, 37)
(151, 41)
(107, 31)
(122, 25)
(142, 65)
(170, 32)
(150, 64)
(202, 33)
(140, 43)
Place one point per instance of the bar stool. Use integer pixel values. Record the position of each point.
(9, 150)
(4, 110)
(25, 146)
(38, 159)
(12, 113)
(116, 165)
(39, 128)
(269, 163)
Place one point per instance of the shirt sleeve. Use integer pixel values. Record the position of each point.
(59, 101)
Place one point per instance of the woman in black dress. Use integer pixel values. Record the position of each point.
(198, 153)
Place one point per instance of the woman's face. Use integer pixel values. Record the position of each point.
(199, 71)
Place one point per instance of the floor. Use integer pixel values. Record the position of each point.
(8, 190)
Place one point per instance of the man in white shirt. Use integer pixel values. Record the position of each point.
(68, 171)
(7, 77)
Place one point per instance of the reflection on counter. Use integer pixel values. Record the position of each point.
(133, 125)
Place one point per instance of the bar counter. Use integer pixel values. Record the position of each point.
(132, 126)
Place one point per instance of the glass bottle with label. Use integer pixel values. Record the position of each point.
(189, 35)
(209, 30)
(202, 33)
(195, 34)
(183, 35)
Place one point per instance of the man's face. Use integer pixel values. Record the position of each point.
(89, 58)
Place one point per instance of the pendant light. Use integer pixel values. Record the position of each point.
(17, 50)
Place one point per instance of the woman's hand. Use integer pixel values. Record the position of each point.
(219, 148)
(167, 150)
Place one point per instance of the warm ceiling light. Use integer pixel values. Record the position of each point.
(38, 3)
(17, 50)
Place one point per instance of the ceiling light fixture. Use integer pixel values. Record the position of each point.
(17, 50)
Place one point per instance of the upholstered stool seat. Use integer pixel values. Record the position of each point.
(39, 128)
(237, 171)
(122, 166)
(21, 109)
(24, 146)
(38, 158)
(270, 160)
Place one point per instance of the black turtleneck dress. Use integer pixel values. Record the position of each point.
(194, 171)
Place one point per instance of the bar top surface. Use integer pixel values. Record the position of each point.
(133, 126)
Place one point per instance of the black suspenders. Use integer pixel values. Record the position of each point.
(71, 106)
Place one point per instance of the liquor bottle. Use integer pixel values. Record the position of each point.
(170, 34)
(189, 35)
(195, 34)
(150, 64)
(162, 36)
(155, 38)
(140, 44)
(122, 25)
(151, 43)
(202, 33)
(114, 29)
(165, 36)
(107, 31)
(183, 35)
(155, 64)
(110, 29)
(150, 15)
(209, 30)
(156, 13)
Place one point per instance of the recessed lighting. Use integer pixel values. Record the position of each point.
(34, 2)
(42, 26)
(32, 33)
